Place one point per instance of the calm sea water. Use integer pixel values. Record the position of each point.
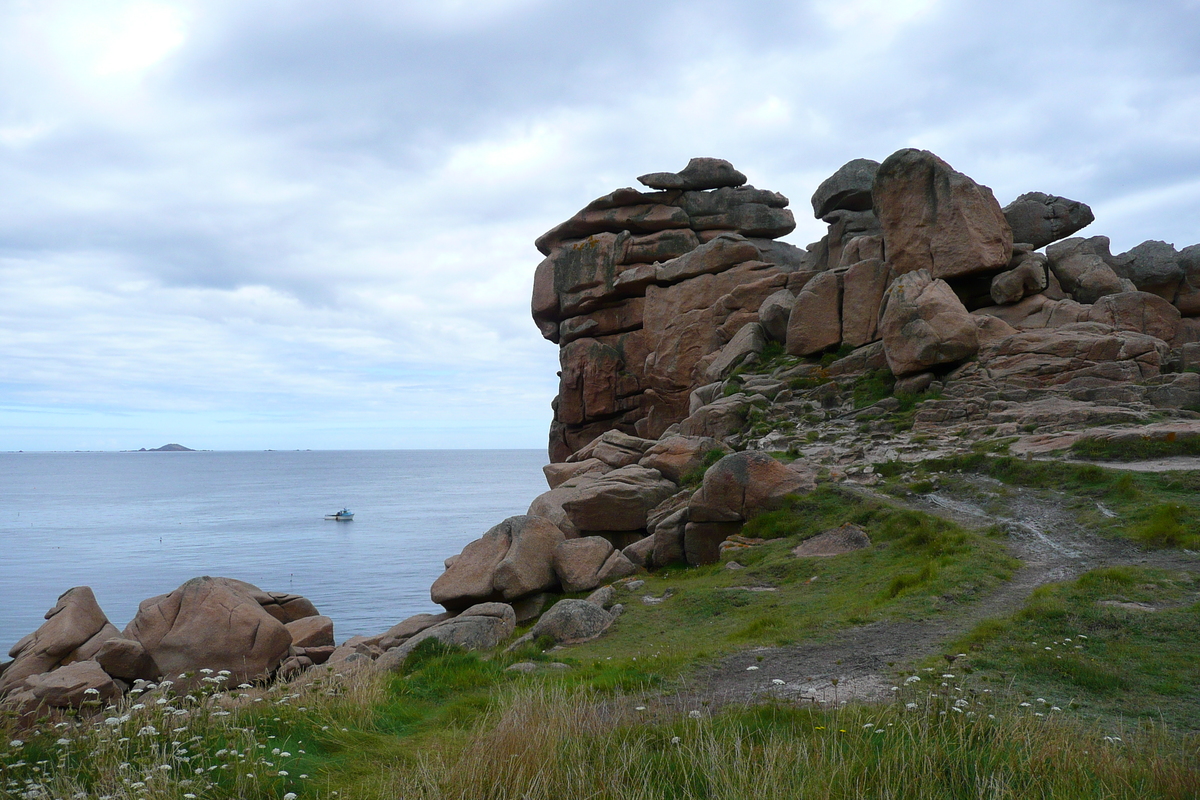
(136, 525)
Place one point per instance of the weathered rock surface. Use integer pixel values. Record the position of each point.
(641, 289)
(863, 287)
(214, 623)
(775, 312)
(614, 448)
(311, 631)
(73, 623)
(924, 324)
(560, 473)
(73, 685)
(511, 560)
(1029, 276)
(569, 621)
(816, 319)
(618, 500)
(700, 173)
(588, 562)
(1084, 268)
(676, 456)
(1060, 355)
(127, 659)
(937, 219)
(479, 627)
(849, 188)
(1137, 311)
(1038, 218)
(1153, 267)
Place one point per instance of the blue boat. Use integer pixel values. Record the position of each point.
(345, 515)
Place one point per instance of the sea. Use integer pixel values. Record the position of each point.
(136, 525)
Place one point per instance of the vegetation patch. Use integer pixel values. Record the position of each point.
(1137, 450)
(1119, 642)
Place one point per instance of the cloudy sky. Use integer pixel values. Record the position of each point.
(258, 224)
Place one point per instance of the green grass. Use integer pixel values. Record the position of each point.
(1106, 661)
(1147, 448)
(1152, 509)
(917, 566)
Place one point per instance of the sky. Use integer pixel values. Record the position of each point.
(256, 224)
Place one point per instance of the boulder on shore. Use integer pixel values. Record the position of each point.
(214, 623)
(73, 624)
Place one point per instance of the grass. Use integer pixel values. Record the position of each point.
(918, 565)
(1152, 509)
(1139, 450)
(546, 744)
(1072, 644)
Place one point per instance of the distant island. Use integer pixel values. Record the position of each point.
(168, 448)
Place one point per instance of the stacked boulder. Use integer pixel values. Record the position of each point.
(218, 624)
(641, 290)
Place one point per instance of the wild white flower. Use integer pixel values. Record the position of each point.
(956, 709)
(165, 767)
(63, 741)
(148, 730)
(137, 706)
(1026, 705)
(694, 714)
(777, 681)
(1055, 708)
(275, 751)
(1038, 714)
(947, 675)
(285, 754)
(962, 702)
(1042, 700)
(912, 679)
(91, 691)
(244, 686)
(204, 671)
(636, 708)
(290, 796)
(868, 726)
(910, 706)
(675, 740)
(751, 668)
(16, 743)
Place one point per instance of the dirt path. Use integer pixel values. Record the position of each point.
(861, 663)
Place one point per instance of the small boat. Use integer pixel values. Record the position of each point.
(345, 515)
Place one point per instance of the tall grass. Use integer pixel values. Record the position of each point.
(541, 744)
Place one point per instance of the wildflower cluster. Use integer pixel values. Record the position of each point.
(183, 738)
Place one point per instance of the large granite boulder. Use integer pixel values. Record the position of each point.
(1037, 218)
(1137, 311)
(676, 456)
(742, 485)
(75, 628)
(618, 500)
(73, 686)
(849, 188)
(937, 219)
(311, 631)
(1084, 268)
(614, 448)
(479, 627)
(591, 561)
(700, 173)
(863, 287)
(511, 560)
(569, 621)
(774, 313)
(1153, 267)
(1187, 300)
(1055, 356)
(1029, 276)
(127, 659)
(214, 623)
(924, 325)
(815, 323)
(563, 471)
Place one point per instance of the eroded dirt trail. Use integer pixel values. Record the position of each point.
(861, 662)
